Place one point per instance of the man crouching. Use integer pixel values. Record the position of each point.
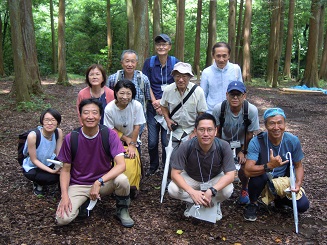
(89, 174)
(203, 168)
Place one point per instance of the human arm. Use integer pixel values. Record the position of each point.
(59, 141)
(242, 154)
(165, 113)
(253, 170)
(299, 173)
(31, 143)
(131, 149)
(65, 205)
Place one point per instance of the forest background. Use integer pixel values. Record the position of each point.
(271, 40)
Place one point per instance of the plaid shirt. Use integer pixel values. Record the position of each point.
(139, 93)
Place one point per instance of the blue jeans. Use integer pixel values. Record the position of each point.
(154, 128)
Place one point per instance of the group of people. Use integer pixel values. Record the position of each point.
(212, 127)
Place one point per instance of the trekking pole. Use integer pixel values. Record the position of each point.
(292, 182)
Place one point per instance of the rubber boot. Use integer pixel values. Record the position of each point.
(122, 204)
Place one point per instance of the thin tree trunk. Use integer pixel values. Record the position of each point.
(323, 64)
(109, 37)
(131, 23)
(321, 30)
(212, 31)
(196, 63)
(180, 30)
(2, 70)
(231, 28)
(62, 71)
(246, 74)
(53, 40)
(156, 21)
(239, 36)
(289, 40)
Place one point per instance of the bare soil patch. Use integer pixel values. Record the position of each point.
(27, 219)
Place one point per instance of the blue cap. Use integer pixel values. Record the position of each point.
(164, 37)
(239, 86)
(271, 112)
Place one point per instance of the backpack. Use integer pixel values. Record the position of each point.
(22, 140)
(152, 59)
(246, 121)
(140, 83)
(104, 136)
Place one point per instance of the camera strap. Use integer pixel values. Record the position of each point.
(184, 101)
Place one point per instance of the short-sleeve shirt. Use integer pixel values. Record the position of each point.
(91, 162)
(214, 82)
(290, 143)
(194, 161)
(234, 124)
(186, 115)
(124, 120)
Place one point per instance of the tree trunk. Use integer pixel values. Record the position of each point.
(231, 28)
(239, 42)
(53, 40)
(321, 30)
(62, 72)
(323, 64)
(2, 70)
(212, 31)
(109, 37)
(196, 63)
(289, 40)
(310, 78)
(27, 77)
(131, 23)
(156, 21)
(272, 66)
(246, 74)
(180, 30)
(141, 46)
(281, 32)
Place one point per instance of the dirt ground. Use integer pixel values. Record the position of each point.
(27, 219)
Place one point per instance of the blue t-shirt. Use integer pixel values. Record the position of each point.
(290, 143)
(158, 75)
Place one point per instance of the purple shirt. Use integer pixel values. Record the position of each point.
(91, 161)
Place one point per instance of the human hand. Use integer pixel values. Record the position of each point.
(199, 198)
(95, 189)
(241, 158)
(156, 104)
(131, 151)
(276, 161)
(158, 111)
(64, 207)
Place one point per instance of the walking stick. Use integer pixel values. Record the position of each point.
(292, 182)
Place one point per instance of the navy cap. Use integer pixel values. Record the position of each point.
(164, 37)
(239, 86)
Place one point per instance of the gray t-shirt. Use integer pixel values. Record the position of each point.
(233, 129)
(194, 161)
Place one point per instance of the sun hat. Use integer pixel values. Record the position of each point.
(236, 85)
(271, 112)
(183, 68)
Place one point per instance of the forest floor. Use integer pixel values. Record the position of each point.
(28, 219)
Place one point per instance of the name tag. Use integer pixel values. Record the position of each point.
(204, 186)
(235, 144)
(163, 87)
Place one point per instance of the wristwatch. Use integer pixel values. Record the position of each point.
(266, 168)
(244, 152)
(214, 191)
(101, 181)
(132, 143)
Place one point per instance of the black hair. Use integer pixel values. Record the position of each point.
(53, 113)
(125, 83)
(92, 67)
(90, 101)
(205, 116)
(219, 45)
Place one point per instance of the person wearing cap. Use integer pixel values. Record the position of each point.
(158, 69)
(268, 167)
(215, 78)
(181, 123)
(233, 129)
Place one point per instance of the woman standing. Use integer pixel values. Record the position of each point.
(35, 166)
(125, 115)
(95, 78)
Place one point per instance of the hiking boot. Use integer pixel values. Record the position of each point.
(250, 213)
(38, 189)
(187, 210)
(244, 197)
(219, 213)
(83, 212)
(122, 204)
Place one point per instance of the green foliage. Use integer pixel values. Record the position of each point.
(35, 104)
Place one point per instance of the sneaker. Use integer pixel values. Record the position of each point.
(244, 197)
(250, 213)
(187, 210)
(219, 213)
(38, 189)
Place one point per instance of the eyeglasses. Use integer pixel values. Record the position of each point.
(183, 76)
(233, 95)
(208, 130)
(164, 45)
(47, 121)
